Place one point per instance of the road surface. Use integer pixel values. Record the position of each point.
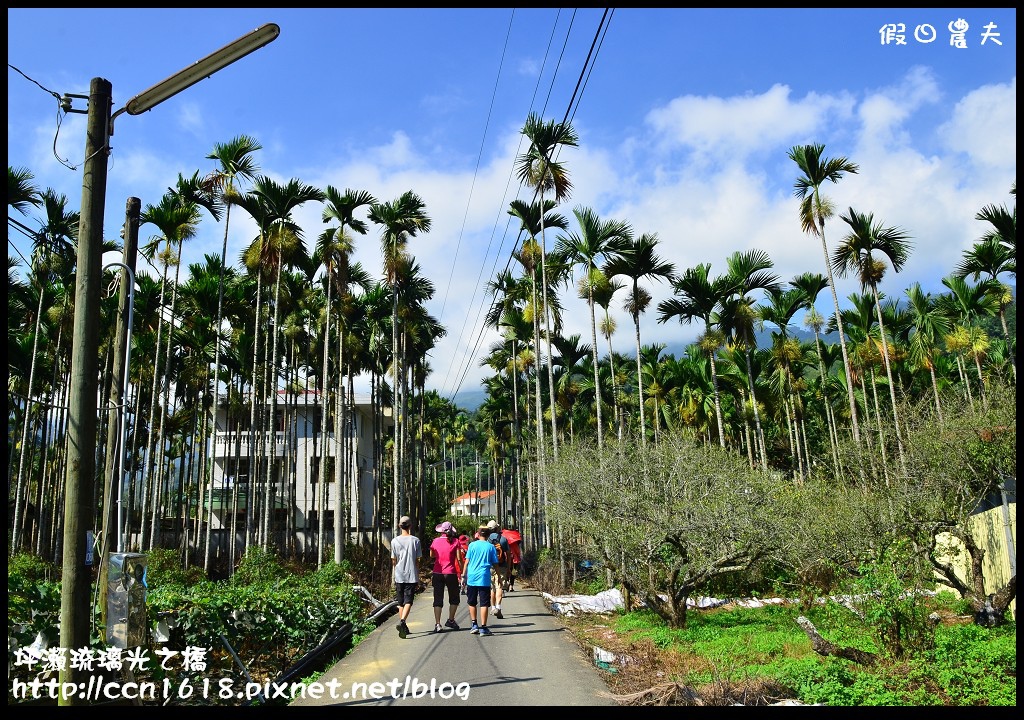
(529, 660)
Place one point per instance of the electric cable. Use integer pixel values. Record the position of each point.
(573, 104)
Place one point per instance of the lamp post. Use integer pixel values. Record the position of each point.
(82, 401)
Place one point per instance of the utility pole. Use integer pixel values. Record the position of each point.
(82, 401)
(113, 473)
(81, 451)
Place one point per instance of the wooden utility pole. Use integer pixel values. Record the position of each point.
(82, 404)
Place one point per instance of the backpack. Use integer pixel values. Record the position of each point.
(502, 558)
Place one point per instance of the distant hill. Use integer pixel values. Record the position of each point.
(470, 400)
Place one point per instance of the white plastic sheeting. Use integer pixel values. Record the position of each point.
(604, 602)
(611, 600)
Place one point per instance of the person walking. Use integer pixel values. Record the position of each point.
(405, 554)
(480, 561)
(515, 544)
(461, 557)
(444, 551)
(502, 570)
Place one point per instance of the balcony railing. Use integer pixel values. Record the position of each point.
(232, 443)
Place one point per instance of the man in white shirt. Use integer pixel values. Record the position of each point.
(405, 554)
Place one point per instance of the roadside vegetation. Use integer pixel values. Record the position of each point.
(845, 460)
(867, 618)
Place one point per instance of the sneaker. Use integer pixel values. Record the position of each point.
(497, 614)
(403, 630)
(485, 630)
(437, 627)
(473, 630)
(452, 624)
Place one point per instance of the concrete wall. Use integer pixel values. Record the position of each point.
(989, 531)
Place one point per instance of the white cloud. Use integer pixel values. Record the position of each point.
(984, 125)
(734, 127)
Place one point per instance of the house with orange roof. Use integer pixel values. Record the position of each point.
(483, 503)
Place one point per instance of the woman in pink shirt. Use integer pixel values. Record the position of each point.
(445, 552)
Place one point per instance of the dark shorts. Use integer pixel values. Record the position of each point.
(440, 582)
(481, 593)
(404, 593)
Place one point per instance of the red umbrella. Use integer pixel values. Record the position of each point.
(515, 541)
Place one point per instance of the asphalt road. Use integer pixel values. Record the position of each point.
(529, 660)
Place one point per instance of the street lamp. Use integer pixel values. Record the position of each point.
(200, 69)
(82, 403)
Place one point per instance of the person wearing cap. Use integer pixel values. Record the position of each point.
(405, 554)
(444, 551)
(480, 559)
(502, 570)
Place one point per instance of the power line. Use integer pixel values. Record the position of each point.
(476, 170)
(573, 104)
(470, 352)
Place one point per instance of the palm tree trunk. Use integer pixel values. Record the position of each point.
(747, 438)
(340, 449)
(20, 489)
(269, 507)
(640, 378)
(547, 330)
(807, 448)
(321, 485)
(964, 380)
(935, 390)
(45, 447)
(878, 425)
(540, 518)
(718, 400)
(842, 335)
(597, 381)
(833, 437)
(888, 374)
(147, 472)
(757, 413)
(1009, 343)
(981, 380)
(167, 390)
(216, 379)
(256, 391)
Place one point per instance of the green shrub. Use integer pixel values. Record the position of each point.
(33, 608)
(31, 568)
(269, 624)
(164, 566)
(891, 601)
(258, 566)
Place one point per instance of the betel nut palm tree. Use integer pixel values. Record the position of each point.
(597, 242)
(539, 169)
(400, 219)
(815, 209)
(236, 162)
(334, 250)
(859, 251)
(638, 260)
(696, 297)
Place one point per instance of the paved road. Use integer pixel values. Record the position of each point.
(530, 660)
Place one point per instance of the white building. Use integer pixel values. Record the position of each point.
(298, 447)
(479, 504)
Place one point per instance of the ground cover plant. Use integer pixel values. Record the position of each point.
(760, 656)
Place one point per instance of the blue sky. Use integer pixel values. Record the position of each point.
(684, 119)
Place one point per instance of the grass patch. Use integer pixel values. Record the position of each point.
(761, 656)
